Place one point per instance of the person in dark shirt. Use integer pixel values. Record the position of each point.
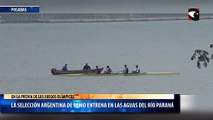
(64, 67)
(86, 67)
(126, 70)
(98, 70)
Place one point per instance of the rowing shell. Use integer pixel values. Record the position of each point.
(121, 74)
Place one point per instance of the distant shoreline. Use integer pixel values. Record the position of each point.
(92, 17)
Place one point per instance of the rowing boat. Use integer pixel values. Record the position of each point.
(74, 72)
(121, 74)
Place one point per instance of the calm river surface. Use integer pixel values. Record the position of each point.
(29, 51)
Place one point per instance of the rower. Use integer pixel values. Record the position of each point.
(64, 67)
(108, 70)
(126, 70)
(98, 70)
(86, 67)
(137, 70)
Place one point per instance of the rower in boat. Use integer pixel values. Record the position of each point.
(86, 67)
(64, 68)
(137, 70)
(126, 70)
(98, 70)
(108, 70)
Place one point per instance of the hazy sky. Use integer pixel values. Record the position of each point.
(115, 6)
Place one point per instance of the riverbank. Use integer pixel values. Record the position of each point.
(93, 17)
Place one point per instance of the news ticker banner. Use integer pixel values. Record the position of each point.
(89, 103)
(19, 9)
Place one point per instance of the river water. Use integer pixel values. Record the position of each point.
(29, 51)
